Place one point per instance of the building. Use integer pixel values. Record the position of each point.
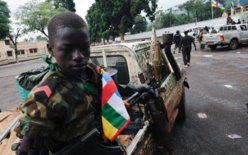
(25, 50)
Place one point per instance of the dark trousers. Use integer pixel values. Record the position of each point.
(177, 46)
(186, 55)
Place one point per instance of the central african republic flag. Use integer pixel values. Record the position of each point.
(114, 114)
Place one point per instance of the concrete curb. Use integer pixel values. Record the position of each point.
(4, 63)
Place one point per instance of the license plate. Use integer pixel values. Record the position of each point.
(210, 43)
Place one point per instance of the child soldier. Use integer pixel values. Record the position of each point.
(60, 108)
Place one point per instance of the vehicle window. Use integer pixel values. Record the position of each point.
(234, 28)
(225, 28)
(118, 62)
(229, 28)
(243, 28)
(221, 28)
(145, 57)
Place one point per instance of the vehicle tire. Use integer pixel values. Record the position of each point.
(181, 107)
(233, 44)
(212, 47)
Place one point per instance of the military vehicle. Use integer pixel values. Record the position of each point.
(152, 113)
(138, 63)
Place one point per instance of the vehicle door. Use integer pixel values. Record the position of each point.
(170, 89)
(231, 32)
(244, 32)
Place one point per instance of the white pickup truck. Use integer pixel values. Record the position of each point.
(231, 35)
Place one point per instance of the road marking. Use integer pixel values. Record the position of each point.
(207, 56)
(234, 136)
(202, 115)
(228, 86)
(238, 52)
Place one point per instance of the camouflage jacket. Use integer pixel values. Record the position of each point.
(61, 108)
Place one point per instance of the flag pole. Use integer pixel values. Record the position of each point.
(212, 10)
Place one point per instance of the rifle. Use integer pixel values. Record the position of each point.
(150, 97)
(78, 144)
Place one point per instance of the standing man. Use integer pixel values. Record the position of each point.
(176, 40)
(186, 48)
(228, 20)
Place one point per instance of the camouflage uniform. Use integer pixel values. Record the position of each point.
(61, 108)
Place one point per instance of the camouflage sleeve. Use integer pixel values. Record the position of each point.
(39, 119)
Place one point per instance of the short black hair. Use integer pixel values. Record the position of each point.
(62, 20)
(186, 32)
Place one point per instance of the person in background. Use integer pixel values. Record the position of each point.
(186, 44)
(239, 22)
(228, 20)
(213, 30)
(200, 37)
(206, 29)
(176, 39)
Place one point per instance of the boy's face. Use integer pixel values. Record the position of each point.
(71, 49)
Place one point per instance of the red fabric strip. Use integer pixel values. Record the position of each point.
(108, 90)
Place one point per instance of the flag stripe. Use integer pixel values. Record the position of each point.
(118, 107)
(109, 129)
(217, 4)
(119, 131)
(112, 116)
(108, 91)
(106, 77)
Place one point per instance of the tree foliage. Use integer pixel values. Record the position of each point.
(35, 15)
(194, 10)
(68, 4)
(200, 9)
(117, 16)
(41, 38)
(4, 19)
(140, 25)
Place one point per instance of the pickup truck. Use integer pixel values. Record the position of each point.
(137, 64)
(231, 35)
(132, 62)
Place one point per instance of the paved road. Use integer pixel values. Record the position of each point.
(9, 95)
(218, 91)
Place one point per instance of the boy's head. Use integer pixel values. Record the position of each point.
(69, 42)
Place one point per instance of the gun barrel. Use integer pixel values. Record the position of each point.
(6, 132)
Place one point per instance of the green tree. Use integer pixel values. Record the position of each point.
(200, 10)
(68, 4)
(93, 15)
(118, 15)
(35, 15)
(40, 38)
(140, 25)
(4, 19)
(13, 35)
(187, 6)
